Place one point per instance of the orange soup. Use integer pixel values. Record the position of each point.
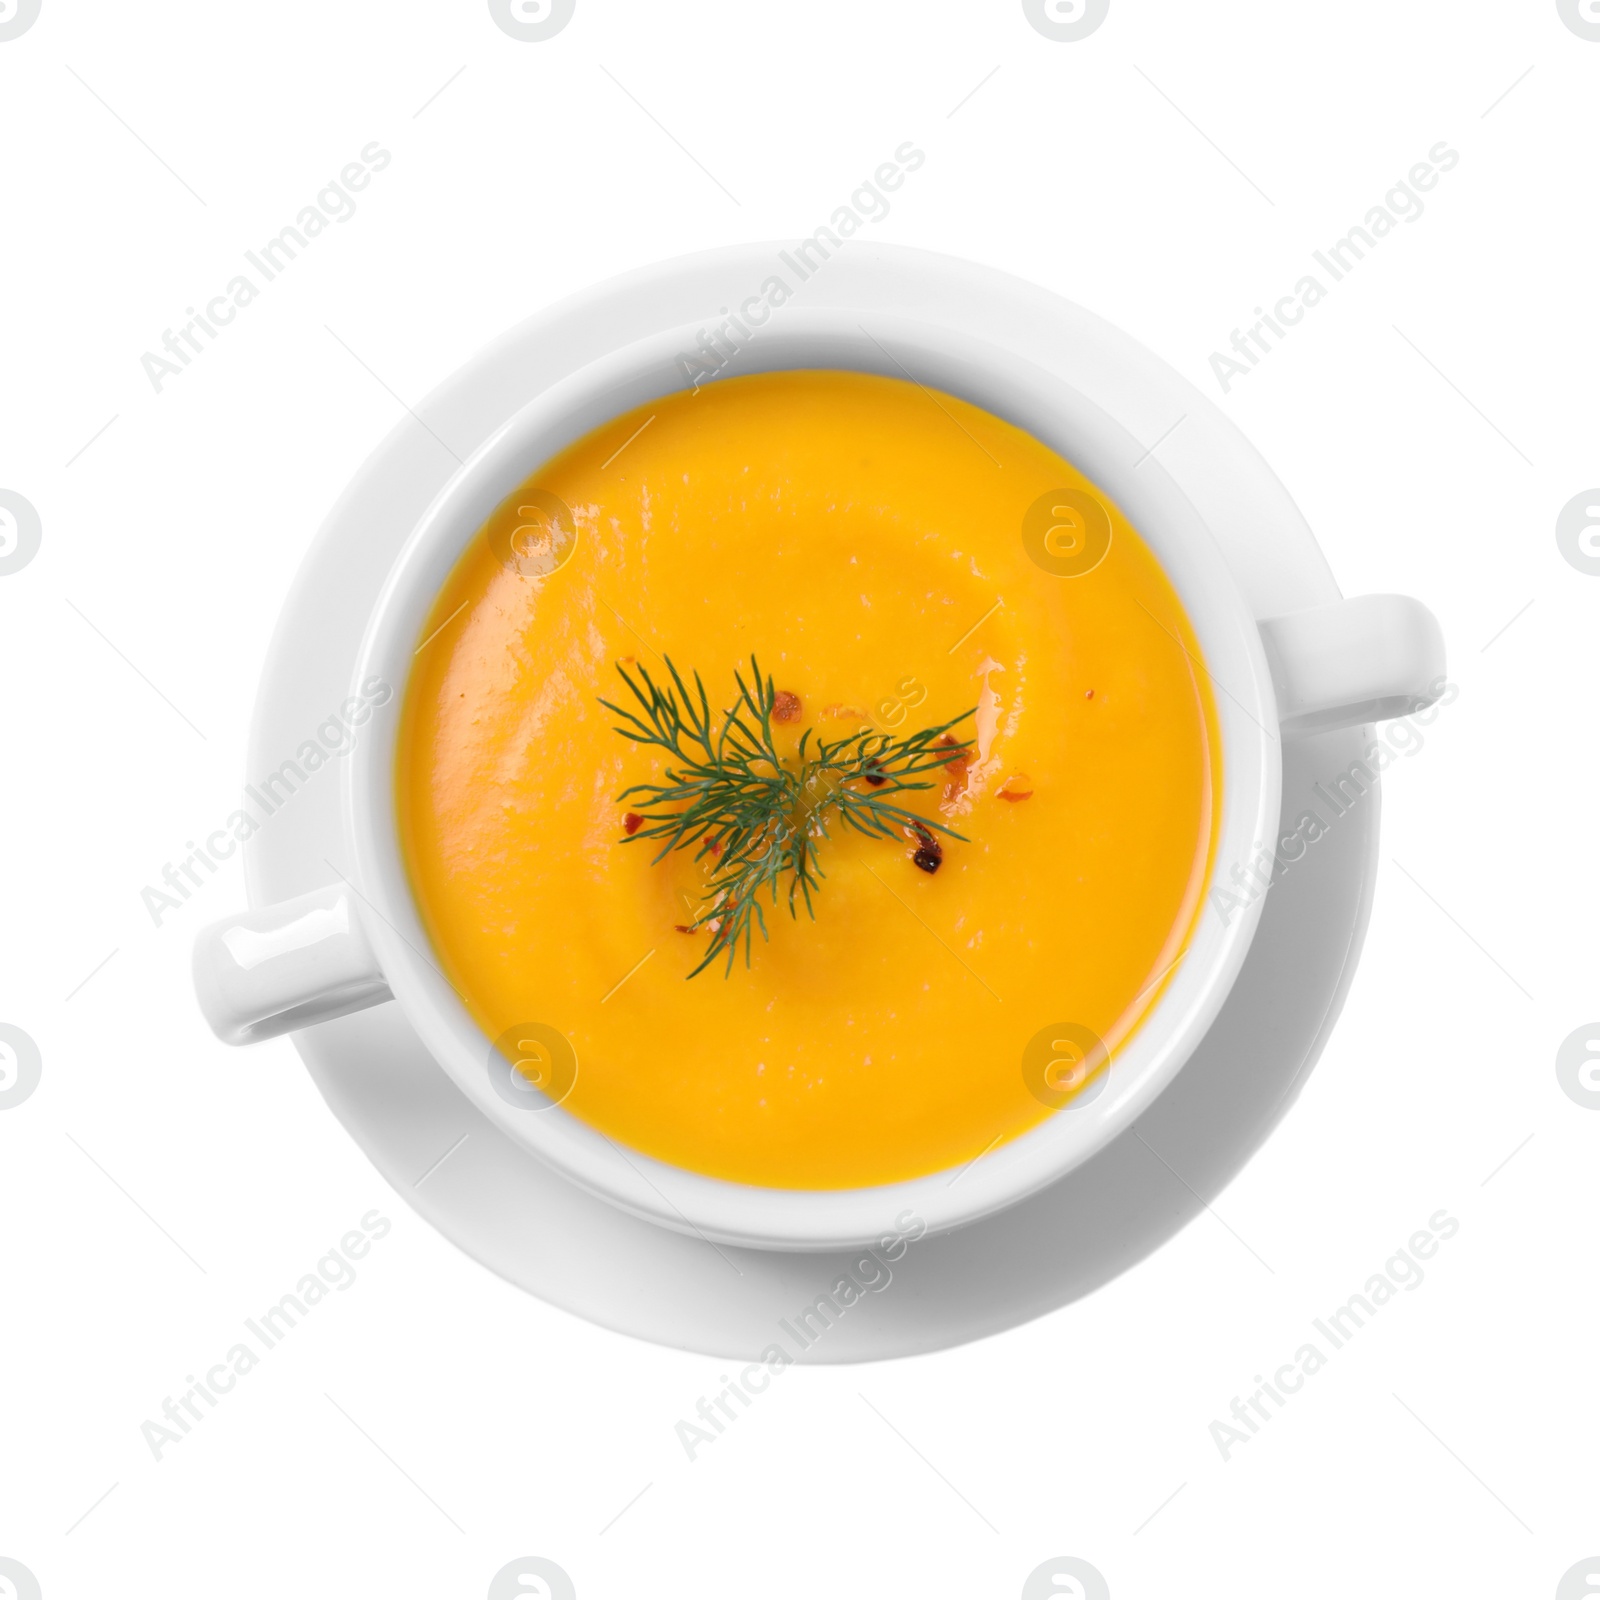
(894, 558)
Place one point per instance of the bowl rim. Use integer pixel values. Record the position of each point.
(945, 357)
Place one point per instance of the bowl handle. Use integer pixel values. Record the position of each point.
(286, 966)
(1362, 660)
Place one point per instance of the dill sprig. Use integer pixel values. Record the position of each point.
(756, 815)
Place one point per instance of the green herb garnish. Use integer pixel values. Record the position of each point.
(757, 815)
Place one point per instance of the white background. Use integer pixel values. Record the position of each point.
(1449, 1449)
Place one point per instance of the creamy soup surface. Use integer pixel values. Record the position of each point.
(863, 537)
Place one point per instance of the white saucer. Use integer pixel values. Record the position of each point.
(508, 1211)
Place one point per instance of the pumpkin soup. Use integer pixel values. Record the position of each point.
(972, 806)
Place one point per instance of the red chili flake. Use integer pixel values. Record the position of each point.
(786, 706)
(876, 779)
(685, 927)
(1088, 694)
(955, 783)
(1022, 791)
(713, 848)
(631, 823)
(929, 854)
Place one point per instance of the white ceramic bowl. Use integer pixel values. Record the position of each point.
(360, 941)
